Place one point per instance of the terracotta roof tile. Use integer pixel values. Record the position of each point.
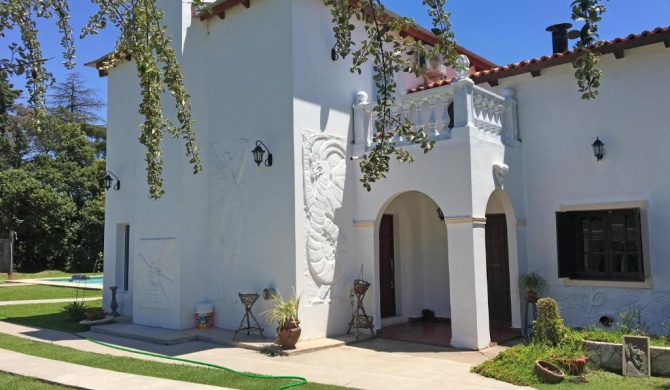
(660, 34)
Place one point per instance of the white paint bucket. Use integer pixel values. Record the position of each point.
(204, 315)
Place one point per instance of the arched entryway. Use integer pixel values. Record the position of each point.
(412, 262)
(501, 261)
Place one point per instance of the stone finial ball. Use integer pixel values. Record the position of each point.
(361, 97)
(464, 63)
(508, 92)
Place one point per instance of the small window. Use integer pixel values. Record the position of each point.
(600, 245)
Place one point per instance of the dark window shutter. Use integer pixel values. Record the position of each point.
(638, 238)
(565, 240)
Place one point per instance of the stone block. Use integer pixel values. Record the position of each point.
(608, 356)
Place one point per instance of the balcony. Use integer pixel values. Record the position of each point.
(438, 111)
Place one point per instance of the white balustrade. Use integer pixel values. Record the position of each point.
(493, 115)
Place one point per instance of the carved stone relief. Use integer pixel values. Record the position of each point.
(226, 211)
(157, 272)
(585, 306)
(324, 169)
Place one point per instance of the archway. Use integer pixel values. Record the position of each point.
(501, 261)
(412, 260)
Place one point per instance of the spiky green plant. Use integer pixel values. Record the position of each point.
(284, 310)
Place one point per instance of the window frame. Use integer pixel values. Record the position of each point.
(633, 280)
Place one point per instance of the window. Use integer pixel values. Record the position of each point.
(600, 245)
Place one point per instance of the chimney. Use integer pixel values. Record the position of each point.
(559, 36)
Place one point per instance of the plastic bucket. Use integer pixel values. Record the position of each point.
(204, 315)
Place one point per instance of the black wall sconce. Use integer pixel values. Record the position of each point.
(440, 214)
(258, 154)
(333, 53)
(598, 149)
(108, 181)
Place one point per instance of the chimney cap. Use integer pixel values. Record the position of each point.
(559, 27)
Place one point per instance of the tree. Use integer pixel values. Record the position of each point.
(12, 141)
(143, 36)
(54, 198)
(77, 103)
(41, 217)
(72, 101)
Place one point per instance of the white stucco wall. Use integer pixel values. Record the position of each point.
(557, 129)
(226, 64)
(238, 227)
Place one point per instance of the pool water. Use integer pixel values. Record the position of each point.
(93, 280)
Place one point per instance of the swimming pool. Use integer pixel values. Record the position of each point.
(91, 281)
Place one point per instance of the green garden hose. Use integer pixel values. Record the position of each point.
(302, 381)
(248, 375)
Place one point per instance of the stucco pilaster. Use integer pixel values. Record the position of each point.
(468, 283)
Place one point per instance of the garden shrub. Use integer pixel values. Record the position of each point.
(549, 328)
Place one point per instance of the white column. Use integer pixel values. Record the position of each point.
(468, 283)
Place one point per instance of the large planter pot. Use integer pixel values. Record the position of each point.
(288, 335)
(548, 372)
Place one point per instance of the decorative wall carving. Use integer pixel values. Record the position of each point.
(226, 212)
(157, 272)
(583, 306)
(324, 169)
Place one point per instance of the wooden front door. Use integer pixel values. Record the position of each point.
(386, 267)
(497, 269)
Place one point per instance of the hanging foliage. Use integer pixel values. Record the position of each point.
(144, 38)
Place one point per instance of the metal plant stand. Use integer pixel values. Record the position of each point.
(360, 319)
(248, 301)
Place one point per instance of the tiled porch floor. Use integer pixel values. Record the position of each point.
(439, 333)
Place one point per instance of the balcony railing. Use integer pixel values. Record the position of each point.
(437, 111)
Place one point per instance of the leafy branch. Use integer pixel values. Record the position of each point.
(587, 74)
(390, 54)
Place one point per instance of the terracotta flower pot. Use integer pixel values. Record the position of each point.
(575, 365)
(288, 335)
(548, 372)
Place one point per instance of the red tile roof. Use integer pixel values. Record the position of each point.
(616, 46)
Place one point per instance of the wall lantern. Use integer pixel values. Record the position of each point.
(598, 149)
(108, 181)
(258, 154)
(440, 214)
(333, 53)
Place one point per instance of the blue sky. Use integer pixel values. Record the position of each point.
(502, 31)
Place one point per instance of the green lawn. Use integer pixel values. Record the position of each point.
(47, 315)
(39, 275)
(23, 293)
(8, 381)
(177, 372)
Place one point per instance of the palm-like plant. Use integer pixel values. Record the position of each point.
(284, 310)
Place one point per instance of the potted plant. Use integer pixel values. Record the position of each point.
(95, 314)
(361, 286)
(532, 284)
(285, 314)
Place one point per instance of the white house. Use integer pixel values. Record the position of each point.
(514, 156)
